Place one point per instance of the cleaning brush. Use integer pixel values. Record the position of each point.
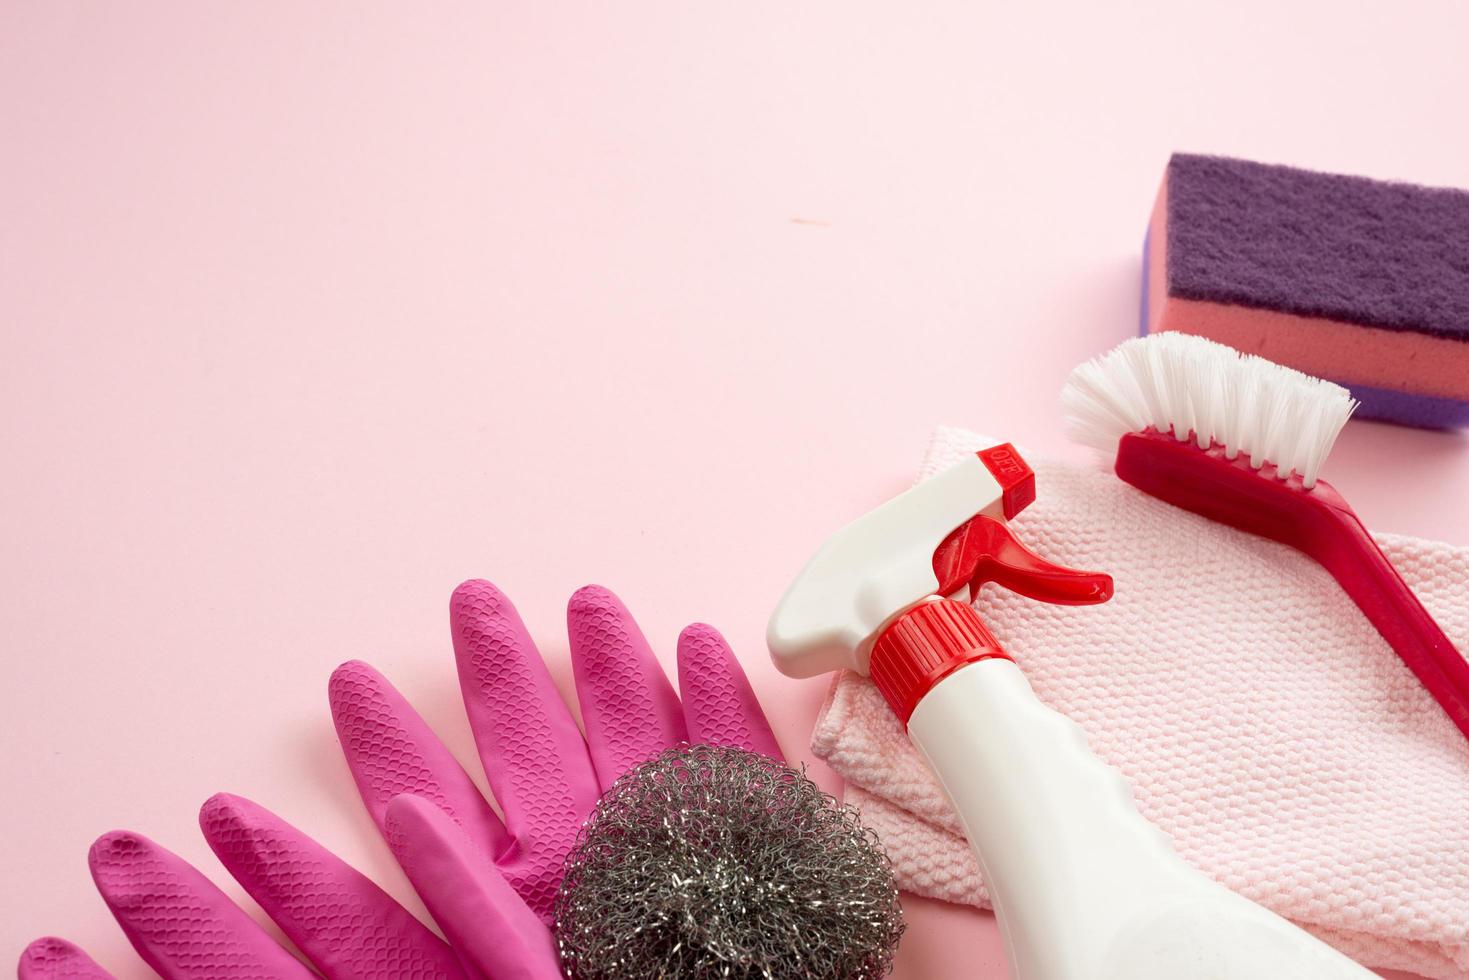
(1241, 440)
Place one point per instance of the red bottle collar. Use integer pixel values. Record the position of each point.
(923, 646)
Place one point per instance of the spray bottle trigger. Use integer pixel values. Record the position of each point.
(984, 549)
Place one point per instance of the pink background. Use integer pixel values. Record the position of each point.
(311, 311)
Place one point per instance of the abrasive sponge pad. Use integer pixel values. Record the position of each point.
(1364, 282)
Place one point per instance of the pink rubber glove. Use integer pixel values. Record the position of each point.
(442, 832)
(491, 884)
(185, 928)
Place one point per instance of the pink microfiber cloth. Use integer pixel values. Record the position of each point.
(1265, 726)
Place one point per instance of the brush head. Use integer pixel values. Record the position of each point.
(1209, 394)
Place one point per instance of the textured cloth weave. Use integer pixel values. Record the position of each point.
(1262, 722)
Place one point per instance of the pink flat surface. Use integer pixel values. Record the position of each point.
(310, 312)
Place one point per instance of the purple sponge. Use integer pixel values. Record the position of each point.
(1361, 281)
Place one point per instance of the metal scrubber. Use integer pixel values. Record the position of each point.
(715, 862)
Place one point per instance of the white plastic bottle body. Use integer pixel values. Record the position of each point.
(1084, 887)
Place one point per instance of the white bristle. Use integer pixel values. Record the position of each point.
(1201, 390)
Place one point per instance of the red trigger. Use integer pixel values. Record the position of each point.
(983, 549)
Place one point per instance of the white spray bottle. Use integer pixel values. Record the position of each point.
(1084, 888)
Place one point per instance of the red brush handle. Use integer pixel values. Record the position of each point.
(1320, 523)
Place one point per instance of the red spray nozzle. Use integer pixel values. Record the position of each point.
(877, 597)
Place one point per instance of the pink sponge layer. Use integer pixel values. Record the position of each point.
(1230, 283)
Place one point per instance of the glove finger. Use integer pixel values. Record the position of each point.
(347, 926)
(178, 920)
(50, 958)
(391, 750)
(630, 710)
(719, 704)
(534, 755)
(494, 932)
